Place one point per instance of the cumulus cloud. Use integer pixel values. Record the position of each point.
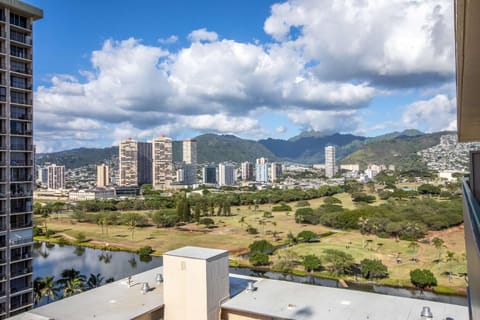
(325, 62)
(391, 42)
(202, 35)
(281, 129)
(436, 114)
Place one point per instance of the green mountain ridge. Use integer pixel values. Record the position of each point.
(398, 148)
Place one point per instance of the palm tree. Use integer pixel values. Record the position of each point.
(438, 243)
(72, 286)
(49, 288)
(94, 281)
(70, 274)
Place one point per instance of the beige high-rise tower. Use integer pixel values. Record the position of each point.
(16, 156)
(103, 175)
(135, 163)
(162, 159)
(190, 161)
(330, 169)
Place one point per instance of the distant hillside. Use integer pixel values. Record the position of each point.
(309, 147)
(400, 151)
(75, 158)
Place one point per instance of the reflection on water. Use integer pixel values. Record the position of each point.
(52, 259)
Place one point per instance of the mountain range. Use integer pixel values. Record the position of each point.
(398, 148)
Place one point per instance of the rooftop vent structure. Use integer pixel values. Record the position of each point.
(426, 313)
(251, 287)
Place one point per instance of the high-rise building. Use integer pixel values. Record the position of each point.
(135, 163)
(209, 175)
(16, 156)
(226, 174)
(190, 151)
(261, 170)
(162, 159)
(42, 175)
(247, 171)
(103, 175)
(275, 171)
(330, 169)
(190, 161)
(56, 177)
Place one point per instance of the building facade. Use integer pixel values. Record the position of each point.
(226, 174)
(275, 171)
(190, 161)
(56, 177)
(209, 175)
(247, 171)
(103, 175)
(16, 156)
(162, 159)
(135, 163)
(330, 169)
(261, 170)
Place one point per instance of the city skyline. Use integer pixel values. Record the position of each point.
(254, 70)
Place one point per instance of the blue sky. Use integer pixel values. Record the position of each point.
(256, 69)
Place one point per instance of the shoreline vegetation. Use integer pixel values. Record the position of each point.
(390, 230)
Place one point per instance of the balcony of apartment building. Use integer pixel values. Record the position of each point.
(21, 303)
(21, 83)
(20, 53)
(21, 221)
(21, 68)
(20, 113)
(21, 269)
(21, 159)
(20, 128)
(19, 286)
(20, 97)
(21, 206)
(21, 190)
(20, 38)
(20, 254)
(3, 111)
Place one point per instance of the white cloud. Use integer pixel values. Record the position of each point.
(436, 114)
(169, 40)
(202, 35)
(369, 38)
(281, 129)
(325, 121)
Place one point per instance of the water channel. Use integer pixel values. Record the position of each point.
(52, 259)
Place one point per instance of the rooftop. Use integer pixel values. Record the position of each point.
(197, 253)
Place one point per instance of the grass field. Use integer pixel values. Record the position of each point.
(230, 234)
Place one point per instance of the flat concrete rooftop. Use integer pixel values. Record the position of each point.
(197, 253)
(274, 298)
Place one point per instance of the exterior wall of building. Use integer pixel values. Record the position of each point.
(56, 177)
(275, 171)
(103, 176)
(247, 171)
(128, 163)
(209, 175)
(16, 156)
(226, 174)
(237, 315)
(261, 170)
(190, 151)
(144, 163)
(330, 162)
(162, 163)
(96, 194)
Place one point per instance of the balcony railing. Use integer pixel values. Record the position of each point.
(21, 287)
(21, 116)
(21, 178)
(19, 100)
(15, 36)
(472, 211)
(21, 132)
(22, 209)
(20, 241)
(16, 256)
(21, 163)
(20, 86)
(21, 147)
(21, 193)
(16, 273)
(21, 70)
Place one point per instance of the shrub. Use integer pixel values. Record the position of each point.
(267, 214)
(262, 246)
(49, 233)
(252, 230)
(145, 251)
(282, 207)
(81, 237)
(311, 262)
(422, 278)
(259, 259)
(373, 268)
(306, 235)
(303, 203)
(37, 231)
(206, 221)
(331, 200)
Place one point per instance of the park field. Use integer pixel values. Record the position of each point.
(230, 234)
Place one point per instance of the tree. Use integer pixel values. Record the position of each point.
(72, 286)
(422, 278)
(413, 245)
(258, 259)
(306, 235)
(49, 288)
(38, 286)
(262, 246)
(373, 268)
(339, 262)
(132, 220)
(207, 222)
(311, 262)
(438, 244)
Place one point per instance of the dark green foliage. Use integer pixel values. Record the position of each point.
(164, 219)
(363, 197)
(428, 189)
(339, 262)
(311, 262)
(261, 246)
(282, 207)
(306, 235)
(303, 203)
(373, 269)
(252, 230)
(422, 278)
(145, 251)
(305, 215)
(332, 200)
(37, 231)
(206, 221)
(259, 259)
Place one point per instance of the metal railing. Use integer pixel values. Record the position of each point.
(20, 241)
(21, 116)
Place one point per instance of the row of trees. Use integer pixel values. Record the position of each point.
(408, 220)
(70, 283)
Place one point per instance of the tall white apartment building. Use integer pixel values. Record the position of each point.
(330, 169)
(247, 171)
(103, 175)
(56, 177)
(275, 171)
(226, 174)
(261, 170)
(16, 156)
(190, 161)
(162, 160)
(135, 163)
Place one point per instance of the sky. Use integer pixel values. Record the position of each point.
(107, 70)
